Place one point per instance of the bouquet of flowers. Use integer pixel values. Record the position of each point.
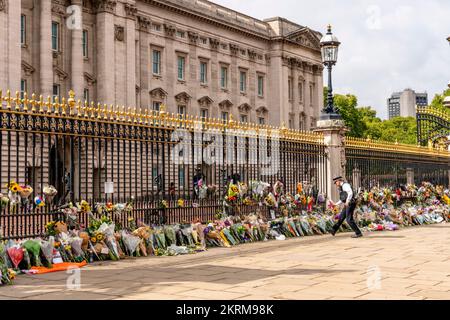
(4, 201)
(49, 193)
(34, 248)
(163, 205)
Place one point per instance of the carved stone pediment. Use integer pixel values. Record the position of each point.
(130, 10)
(214, 43)
(169, 30)
(245, 107)
(59, 9)
(252, 54)
(3, 4)
(158, 93)
(193, 37)
(104, 5)
(89, 79)
(205, 101)
(119, 33)
(143, 23)
(183, 98)
(225, 104)
(262, 110)
(305, 37)
(234, 48)
(27, 68)
(62, 75)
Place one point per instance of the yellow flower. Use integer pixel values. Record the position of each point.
(93, 239)
(99, 237)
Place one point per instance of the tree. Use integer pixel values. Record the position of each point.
(363, 121)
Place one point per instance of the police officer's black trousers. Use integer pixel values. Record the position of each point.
(347, 214)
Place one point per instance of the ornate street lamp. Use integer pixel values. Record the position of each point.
(329, 45)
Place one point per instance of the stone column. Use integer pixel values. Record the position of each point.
(130, 32)
(356, 176)
(10, 49)
(409, 176)
(46, 53)
(145, 66)
(77, 61)
(334, 137)
(105, 52)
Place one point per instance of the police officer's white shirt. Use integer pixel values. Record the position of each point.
(347, 188)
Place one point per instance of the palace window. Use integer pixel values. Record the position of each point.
(23, 88)
(181, 62)
(204, 113)
(290, 89)
(23, 29)
(225, 116)
(261, 120)
(156, 106)
(243, 81)
(260, 85)
(156, 62)
(224, 77)
(203, 72)
(56, 92)
(86, 95)
(85, 44)
(311, 94)
(180, 34)
(203, 40)
(300, 91)
(243, 118)
(182, 112)
(55, 36)
(156, 27)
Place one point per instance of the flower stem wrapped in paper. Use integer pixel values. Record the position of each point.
(34, 248)
(49, 193)
(47, 251)
(131, 242)
(4, 201)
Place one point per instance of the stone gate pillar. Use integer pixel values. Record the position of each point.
(334, 138)
(409, 176)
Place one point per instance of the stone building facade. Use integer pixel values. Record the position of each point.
(194, 56)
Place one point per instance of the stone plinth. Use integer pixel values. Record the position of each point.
(334, 136)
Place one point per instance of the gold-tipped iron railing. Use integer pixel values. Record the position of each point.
(71, 108)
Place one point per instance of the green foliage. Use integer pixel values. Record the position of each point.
(363, 122)
(438, 101)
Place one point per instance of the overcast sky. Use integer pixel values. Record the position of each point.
(386, 45)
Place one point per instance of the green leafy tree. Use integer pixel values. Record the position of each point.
(363, 121)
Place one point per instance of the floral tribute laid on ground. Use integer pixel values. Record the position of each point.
(67, 243)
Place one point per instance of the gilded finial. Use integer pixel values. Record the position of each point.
(162, 110)
(231, 121)
(71, 101)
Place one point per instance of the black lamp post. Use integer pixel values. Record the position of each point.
(329, 45)
(448, 39)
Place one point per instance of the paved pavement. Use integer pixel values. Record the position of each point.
(412, 263)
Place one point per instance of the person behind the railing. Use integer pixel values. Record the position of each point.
(348, 200)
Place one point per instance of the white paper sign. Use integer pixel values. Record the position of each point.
(109, 187)
(105, 250)
(272, 214)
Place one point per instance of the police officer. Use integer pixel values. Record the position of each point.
(346, 197)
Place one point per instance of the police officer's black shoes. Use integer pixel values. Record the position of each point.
(357, 235)
(333, 232)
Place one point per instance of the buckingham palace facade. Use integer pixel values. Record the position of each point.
(194, 56)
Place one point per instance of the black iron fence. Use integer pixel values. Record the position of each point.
(102, 154)
(374, 163)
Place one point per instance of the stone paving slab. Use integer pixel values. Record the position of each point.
(412, 263)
